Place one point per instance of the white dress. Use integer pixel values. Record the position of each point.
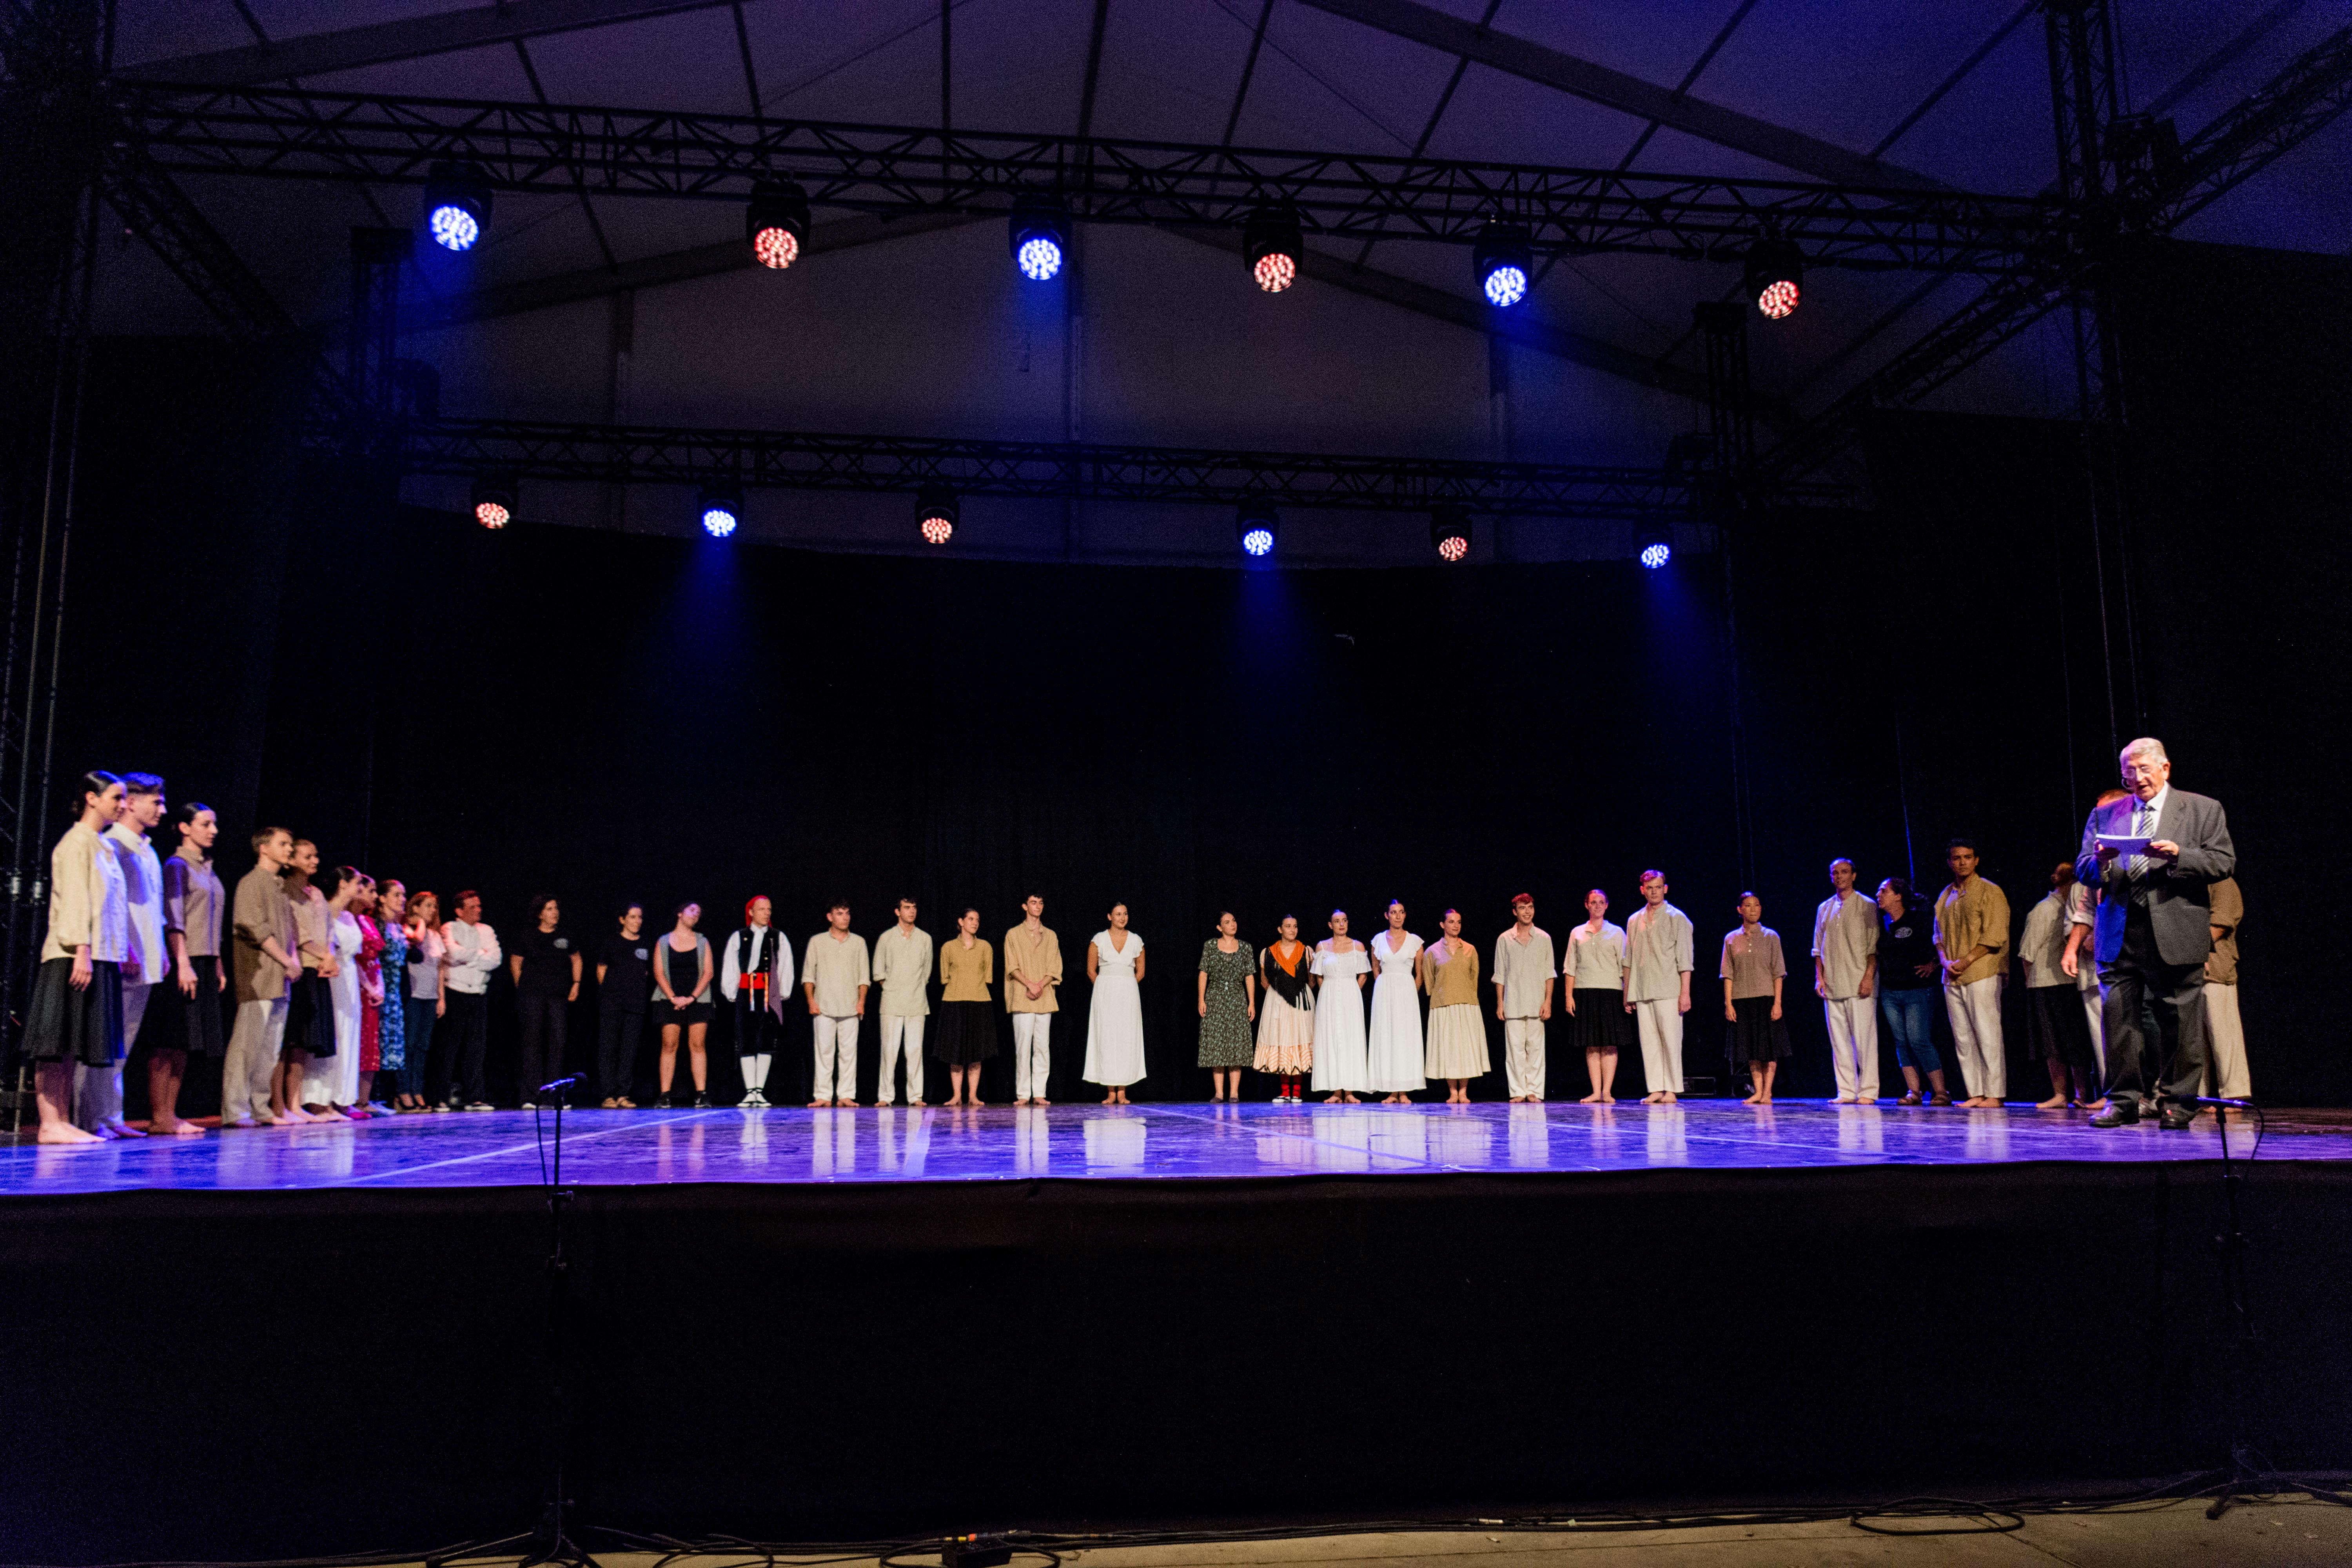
(1339, 1022)
(335, 1080)
(1395, 1055)
(1115, 1018)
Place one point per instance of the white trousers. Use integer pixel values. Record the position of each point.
(836, 1058)
(1032, 1054)
(755, 1069)
(97, 1091)
(1974, 1010)
(2225, 1044)
(899, 1030)
(1523, 1057)
(254, 1042)
(1854, 1044)
(1660, 1025)
(2095, 1006)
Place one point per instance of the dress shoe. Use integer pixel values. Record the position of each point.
(2120, 1114)
(2178, 1119)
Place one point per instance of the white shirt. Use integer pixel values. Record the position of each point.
(731, 978)
(142, 885)
(1846, 934)
(1596, 959)
(473, 956)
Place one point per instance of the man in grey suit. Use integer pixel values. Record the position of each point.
(2153, 933)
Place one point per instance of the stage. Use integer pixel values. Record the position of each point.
(854, 1325)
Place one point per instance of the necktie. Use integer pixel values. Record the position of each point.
(2143, 825)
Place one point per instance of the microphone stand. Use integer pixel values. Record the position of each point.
(2243, 1479)
(553, 1543)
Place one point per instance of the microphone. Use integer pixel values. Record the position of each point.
(562, 1083)
(2201, 1099)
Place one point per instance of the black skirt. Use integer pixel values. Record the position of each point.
(692, 1013)
(963, 1033)
(311, 1014)
(1602, 1023)
(63, 1025)
(1756, 1035)
(177, 1022)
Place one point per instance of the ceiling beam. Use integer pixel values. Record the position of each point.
(441, 33)
(1616, 90)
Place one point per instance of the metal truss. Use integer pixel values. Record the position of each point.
(558, 150)
(605, 454)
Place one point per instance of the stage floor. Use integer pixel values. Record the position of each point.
(1126, 1142)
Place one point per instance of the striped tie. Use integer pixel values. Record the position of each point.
(2143, 825)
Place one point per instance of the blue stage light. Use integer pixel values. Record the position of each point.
(1039, 231)
(1501, 259)
(1653, 547)
(1041, 258)
(456, 204)
(1258, 541)
(1256, 524)
(721, 508)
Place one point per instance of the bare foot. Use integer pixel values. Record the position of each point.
(124, 1130)
(1608, 1100)
(1333, 1101)
(819, 1104)
(1032, 1102)
(65, 1133)
(175, 1128)
(2055, 1102)
(1666, 1097)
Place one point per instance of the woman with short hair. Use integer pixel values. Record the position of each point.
(1907, 995)
(546, 969)
(682, 984)
(1753, 970)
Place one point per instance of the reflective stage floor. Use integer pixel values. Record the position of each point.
(1147, 1140)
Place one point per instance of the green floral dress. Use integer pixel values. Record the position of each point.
(1225, 1039)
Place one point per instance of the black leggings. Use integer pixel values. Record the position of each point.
(539, 1047)
(458, 1045)
(617, 1034)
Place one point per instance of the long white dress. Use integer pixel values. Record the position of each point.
(1339, 1061)
(1395, 1054)
(335, 1080)
(1115, 1020)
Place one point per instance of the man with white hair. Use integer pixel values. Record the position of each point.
(1845, 962)
(2157, 854)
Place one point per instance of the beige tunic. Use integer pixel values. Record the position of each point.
(1846, 935)
(1975, 918)
(263, 913)
(1452, 982)
(964, 975)
(902, 967)
(836, 969)
(1752, 963)
(89, 904)
(1039, 957)
(1523, 970)
(1596, 959)
(1657, 953)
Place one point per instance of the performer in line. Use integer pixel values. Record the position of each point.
(625, 981)
(311, 1008)
(75, 1019)
(2054, 1012)
(263, 968)
(835, 976)
(966, 1033)
(428, 1049)
(2226, 1074)
(2155, 933)
(755, 977)
(97, 1091)
(682, 971)
(1457, 1030)
(1753, 970)
(1972, 936)
(185, 1015)
(1394, 1063)
(1908, 968)
(391, 917)
(546, 967)
(1115, 1016)
(1340, 965)
(902, 967)
(1033, 974)
(1524, 976)
(1657, 981)
(1226, 992)
(1595, 996)
(471, 956)
(1845, 973)
(1285, 1025)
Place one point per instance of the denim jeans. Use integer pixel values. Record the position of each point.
(416, 1023)
(1910, 1017)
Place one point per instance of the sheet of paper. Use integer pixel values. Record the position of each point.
(2125, 844)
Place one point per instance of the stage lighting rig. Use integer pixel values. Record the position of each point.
(1039, 232)
(1256, 524)
(1449, 533)
(494, 502)
(1773, 278)
(456, 204)
(721, 508)
(939, 514)
(1502, 258)
(1653, 547)
(1274, 246)
(777, 223)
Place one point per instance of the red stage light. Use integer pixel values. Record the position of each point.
(1778, 298)
(776, 247)
(490, 514)
(938, 530)
(1275, 271)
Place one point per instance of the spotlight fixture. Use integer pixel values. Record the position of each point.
(494, 502)
(939, 514)
(1502, 258)
(1256, 522)
(1449, 533)
(721, 508)
(1274, 247)
(1774, 271)
(1654, 547)
(1039, 232)
(456, 204)
(777, 222)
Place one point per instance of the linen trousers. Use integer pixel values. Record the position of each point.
(900, 1030)
(97, 1091)
(1033, 1054)
(254, 1042)
(2095, 1004)
(1523, 1057)
(836, 1058)
(1853, 1046)
(1974, 1011)
(2225, 1044)
(1659, 1024)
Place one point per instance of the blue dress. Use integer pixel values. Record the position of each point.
(391, 1029)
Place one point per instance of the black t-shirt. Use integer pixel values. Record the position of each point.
(1904, 944)
(629, 971)
(546, 963)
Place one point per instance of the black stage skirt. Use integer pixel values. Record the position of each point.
(1602, 1023)
(311, 1014)
(64, 1025)
(963, 1033)
(1757, 1037)
(692, 1013)
(180, 1023)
